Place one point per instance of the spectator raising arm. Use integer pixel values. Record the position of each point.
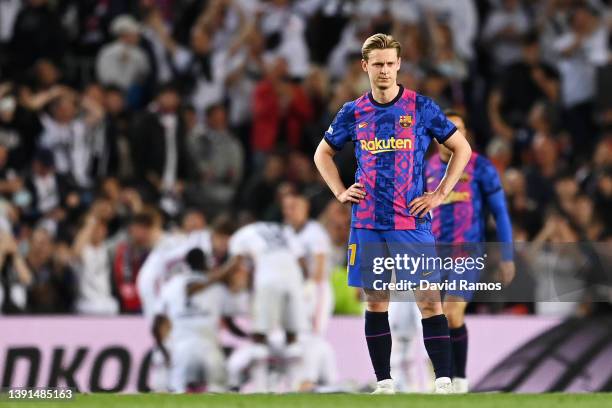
(9, 250)
(84, 236)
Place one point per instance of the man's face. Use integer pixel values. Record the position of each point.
(531, 53)
(131, 38)
(382, 67)
(220, 244)
(99, 234)
(193, 221)
(169, 101)
(114, 102)
(65, 109)
(140, 234)
(41, 243)
(295, 210)
(217, 118)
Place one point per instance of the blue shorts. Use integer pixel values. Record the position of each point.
(375, 256)
(462, 275)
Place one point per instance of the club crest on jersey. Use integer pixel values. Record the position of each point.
(405, 121)
(385, 145)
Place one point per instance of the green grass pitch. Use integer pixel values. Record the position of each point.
(325, 401)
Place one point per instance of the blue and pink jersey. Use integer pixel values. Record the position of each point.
(390, 144)
(461, 218)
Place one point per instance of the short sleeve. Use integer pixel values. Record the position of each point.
(228, 303)
(340, 131)
(488, 178)
(321, 243)
(295, 246)
(238, 244)
(435, 121)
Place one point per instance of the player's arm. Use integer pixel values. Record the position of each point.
(497, 204)
(338, 134)
(231, 325)
(303, 266)
(492, 190)
(215, 276)
(459, 159)
(318, 273)
(161, 329)
(84, 236)
(324, 160)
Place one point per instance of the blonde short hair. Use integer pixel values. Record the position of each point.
(379, 42)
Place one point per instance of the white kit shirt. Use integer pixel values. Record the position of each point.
(274, 250)
(165, 261)
(95, 294)
(315, 241)
(195, 317)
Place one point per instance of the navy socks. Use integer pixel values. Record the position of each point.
(378, 337)
(437, 343)
(459, 344)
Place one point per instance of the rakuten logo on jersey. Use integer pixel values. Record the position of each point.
(379, 146)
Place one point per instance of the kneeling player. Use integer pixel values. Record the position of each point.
(194, 304)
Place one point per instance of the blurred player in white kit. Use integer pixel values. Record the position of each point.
(194, 303)
(167, 258)
(405, 323)
(277, 297)
(169, 261)
(319, 365)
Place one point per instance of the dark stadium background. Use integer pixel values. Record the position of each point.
(252, 85)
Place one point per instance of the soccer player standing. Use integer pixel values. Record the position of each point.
(461, 219)
(391, 128)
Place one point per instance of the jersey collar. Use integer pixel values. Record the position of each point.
(391, 102)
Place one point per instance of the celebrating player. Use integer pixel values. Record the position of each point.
(277, 293)
(167, 258)
(194, 302)
(318, 359)
(391, 128)
(461, 219)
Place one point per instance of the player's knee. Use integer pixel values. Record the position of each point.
(380, 307)
(429, 309)
(455, 314)
(377, 300)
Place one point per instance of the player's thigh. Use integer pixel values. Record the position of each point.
(324, 308)
(404, 317)
(183, 357)
(414, 257)
(267, 308)
(214, 363)
(292, 310)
